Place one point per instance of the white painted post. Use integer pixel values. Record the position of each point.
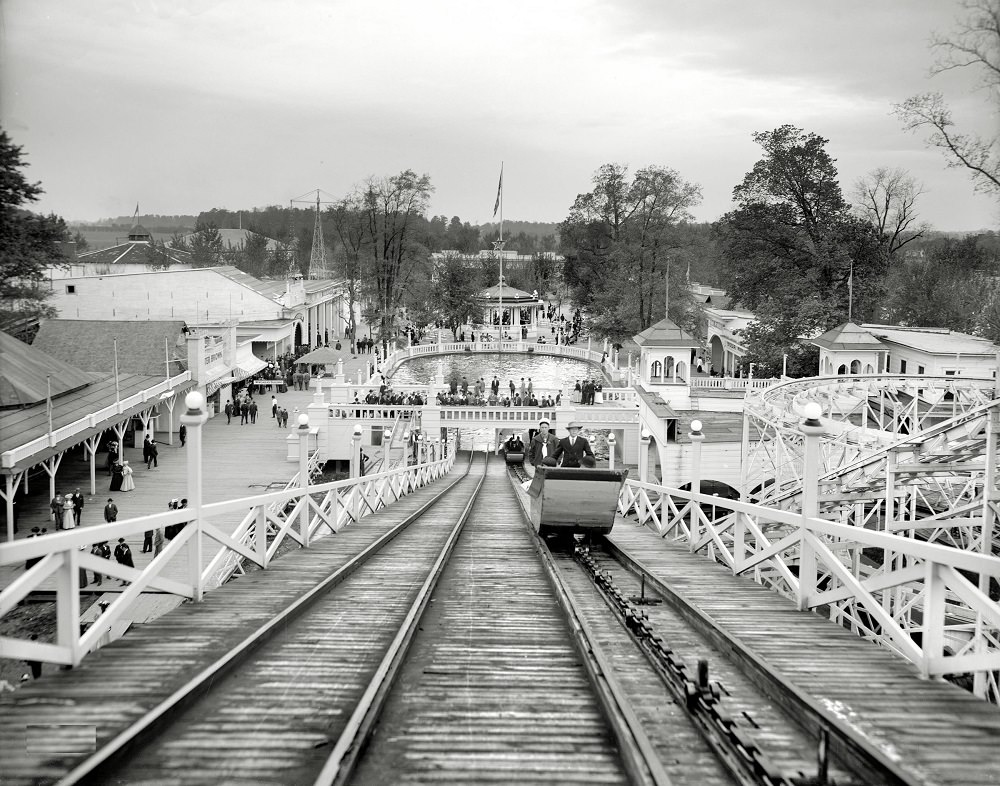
(932, 638)
(303, 434)
(68, 605)
(611, 450)
(697, 437)
(812, 429)
(194, 418)
(260, 536)
(355, 468)
(644, 438)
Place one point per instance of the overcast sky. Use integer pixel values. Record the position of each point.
(185, 105)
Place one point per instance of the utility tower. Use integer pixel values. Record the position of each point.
(318, 265)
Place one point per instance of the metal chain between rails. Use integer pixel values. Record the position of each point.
(702, 697)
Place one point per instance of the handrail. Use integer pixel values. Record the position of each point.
(928, 589)
(270, 520)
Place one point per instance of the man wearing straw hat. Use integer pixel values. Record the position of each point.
(573, 448)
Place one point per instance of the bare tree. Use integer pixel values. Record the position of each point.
(975, 44)
(886, 198)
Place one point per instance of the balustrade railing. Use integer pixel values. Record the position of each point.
(929, 603)
(301, 512)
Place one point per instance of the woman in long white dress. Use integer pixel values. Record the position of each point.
(127, 483)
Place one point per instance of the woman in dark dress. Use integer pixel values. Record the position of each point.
(112, 456)
(117, 476)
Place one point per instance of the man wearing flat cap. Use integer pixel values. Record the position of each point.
(573, 448)
(543, 444)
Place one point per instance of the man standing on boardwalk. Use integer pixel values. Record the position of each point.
(78, 507)
(182, 432)
(274, 406)
(573, 448)
(123, 555)
(110, 511)
(253, 411)
(229, 412)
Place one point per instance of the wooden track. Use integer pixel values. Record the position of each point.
(493, 690)
(934, 731)
(41, 723)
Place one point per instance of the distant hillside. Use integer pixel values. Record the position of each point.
(152, 222)
(537, 229)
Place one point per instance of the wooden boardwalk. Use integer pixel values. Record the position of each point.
(240, 461)
(48, 725)
(945, 735)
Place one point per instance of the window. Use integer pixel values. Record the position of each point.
(920, 369)
(71, 289)
(949, 373)
(902, 367)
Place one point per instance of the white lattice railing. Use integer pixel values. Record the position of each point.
(929, 603)
(267, 521)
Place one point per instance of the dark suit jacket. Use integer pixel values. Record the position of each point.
(572, 454)
(535, 448)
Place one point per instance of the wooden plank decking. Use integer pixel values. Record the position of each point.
(944, 734)
(41, 723)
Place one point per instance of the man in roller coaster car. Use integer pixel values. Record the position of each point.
(514, 444)
(573, 448)
(543, 444)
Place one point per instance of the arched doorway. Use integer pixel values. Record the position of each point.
(718, 354)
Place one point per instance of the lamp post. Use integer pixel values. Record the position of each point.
(194, 418)
(697, 437)
(302, 432)
(356, 468)
(611, 450)
(784, 365)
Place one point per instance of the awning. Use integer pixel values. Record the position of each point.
(238, 373)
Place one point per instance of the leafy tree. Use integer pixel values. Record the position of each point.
(456, 286)
(350, 232)
(792, 250)
(252, 256)
(393, 206)
(976, 45)
(619, 240)
(463, 237)
(206, 245)
(947, 287)
(28, 241)
(81, 242)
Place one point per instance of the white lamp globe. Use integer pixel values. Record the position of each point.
(812, 411)
(696, 426)
(303, 420)
(194, 400)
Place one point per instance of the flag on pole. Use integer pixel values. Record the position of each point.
(136, 216)
(496, 205)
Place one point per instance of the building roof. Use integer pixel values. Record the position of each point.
(272, 289)
(848, 337)
(505, 293)
(934, 341)
(26, 374)
(665, 333)
(90, 344)
(19, 427)
(136, 252)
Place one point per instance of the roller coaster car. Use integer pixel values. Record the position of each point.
(514, 456)
(566, 501)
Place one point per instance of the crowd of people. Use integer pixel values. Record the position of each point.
(585, 392)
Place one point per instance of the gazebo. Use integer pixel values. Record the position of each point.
(504, 304)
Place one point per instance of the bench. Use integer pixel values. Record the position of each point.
(565, 501)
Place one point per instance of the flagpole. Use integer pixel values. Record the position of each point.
(166, 353)
(850, 294)
(118, 392)
(48, 400)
